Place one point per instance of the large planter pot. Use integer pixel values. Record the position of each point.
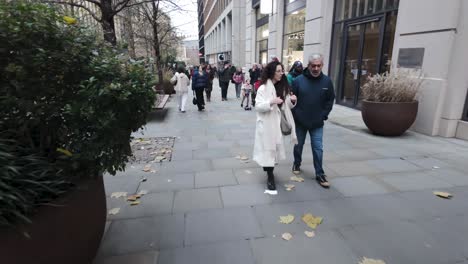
(69, 231)
(389, 119)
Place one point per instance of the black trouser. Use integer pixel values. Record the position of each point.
(268, 169)
(253, 94)
(200, 99)
(224, 89)
(208, 91)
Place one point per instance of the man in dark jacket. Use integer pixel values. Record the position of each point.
(315, 96)
(225, 76)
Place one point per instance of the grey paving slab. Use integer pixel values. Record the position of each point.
(450, 232)
(185, 166)
(179, 155)
(409, 181)
(244, 195)
(149, 257)
(433, 205)
(212, 153)
(150, 205)
(453, 177)
(233, 163)
(121, 184)
(220, 253)
(143, 234)
(212, 144)
(162, 183)
(353, 168)
(221, 225)
(359, 185)
(325, 247)
(190, 200)
(214, 178)
(356, 155)
(428, 162)
(250, 176)
(393, 165)
(398, 242)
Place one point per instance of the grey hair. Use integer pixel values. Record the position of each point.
(316, 56)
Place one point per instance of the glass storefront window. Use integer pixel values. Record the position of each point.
(262, 43)
(347, 9)
(293, 40)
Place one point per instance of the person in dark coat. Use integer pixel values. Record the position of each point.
(315, 96)
(295, 71)
(199, 83)
(255, 74)
(225, 76)
(209, 87)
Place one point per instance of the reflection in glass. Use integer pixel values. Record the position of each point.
(347, 9)
(293, 40)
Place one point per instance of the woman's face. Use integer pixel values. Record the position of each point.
(278, 73)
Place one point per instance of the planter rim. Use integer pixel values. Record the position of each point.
(375, 102)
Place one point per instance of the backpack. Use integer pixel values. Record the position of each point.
(237, 78)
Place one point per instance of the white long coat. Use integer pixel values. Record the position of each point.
(182, 82)
(269, 146)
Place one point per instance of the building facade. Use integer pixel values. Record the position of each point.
(357, 38)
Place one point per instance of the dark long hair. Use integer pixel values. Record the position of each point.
(281, 87)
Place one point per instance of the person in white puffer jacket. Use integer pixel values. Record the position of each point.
(181, 82)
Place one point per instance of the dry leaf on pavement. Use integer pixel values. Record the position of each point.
(311, 220)
(147, 168)
(114, 211)
(286, 236)
(134, 197)
(244, 158)
(135, 203)
(287, 219)
(297, 179)
(309, 233)
(371, 261)
(445, 195)
(289, 187)
(118, 194)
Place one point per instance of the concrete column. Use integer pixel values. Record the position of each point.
(435, 30)
(229, 31)
(249, 37)
(236, 32)
(318, 29)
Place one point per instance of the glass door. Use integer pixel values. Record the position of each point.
(362, 57)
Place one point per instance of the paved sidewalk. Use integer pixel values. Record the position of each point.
(205, 206)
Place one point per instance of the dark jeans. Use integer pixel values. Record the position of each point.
(316, 139)
(238, 89)
(267, 169)
(253, 94)
(208, 92)
(224, 89)
(200, 98)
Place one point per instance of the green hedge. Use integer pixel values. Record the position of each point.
(65, 98)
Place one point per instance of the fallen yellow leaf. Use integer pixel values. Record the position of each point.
(135, 203)
(287, 219)
(134, 197)
(297, 179)
(64, 151)
(311, 220)
(147, 168)
(244, 158)
(371, 261)
(114, 211)
(289, 187)
(309, 233)
(445, 195)
(286, 236)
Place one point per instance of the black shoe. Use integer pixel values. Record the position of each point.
(242, 105)
(296, 169)
(271, 182)
(322, 180)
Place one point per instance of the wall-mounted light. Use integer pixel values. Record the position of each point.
(265, 33)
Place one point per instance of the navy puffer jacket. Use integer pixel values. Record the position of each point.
(199, 81)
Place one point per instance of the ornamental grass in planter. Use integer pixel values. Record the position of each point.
(389, 105)
(68, 106)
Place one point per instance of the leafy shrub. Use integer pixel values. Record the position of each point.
(64, 98)
(396, 86)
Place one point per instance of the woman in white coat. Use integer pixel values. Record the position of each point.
(272, 96)
(181, 83)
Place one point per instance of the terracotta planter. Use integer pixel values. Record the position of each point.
(68, 232)
(389, 119)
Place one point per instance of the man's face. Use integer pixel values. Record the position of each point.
(315, 67)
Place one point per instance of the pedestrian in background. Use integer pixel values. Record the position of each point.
(273, 97)
(181, 82)
(199, 83)
(315, 96)
(238, 78)
(209, 87)
(246, 91)
(255, 74)
(295, 71)
(225, 76)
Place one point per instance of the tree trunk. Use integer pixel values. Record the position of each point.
(128, 27)
(156, 44)
(107, 22)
